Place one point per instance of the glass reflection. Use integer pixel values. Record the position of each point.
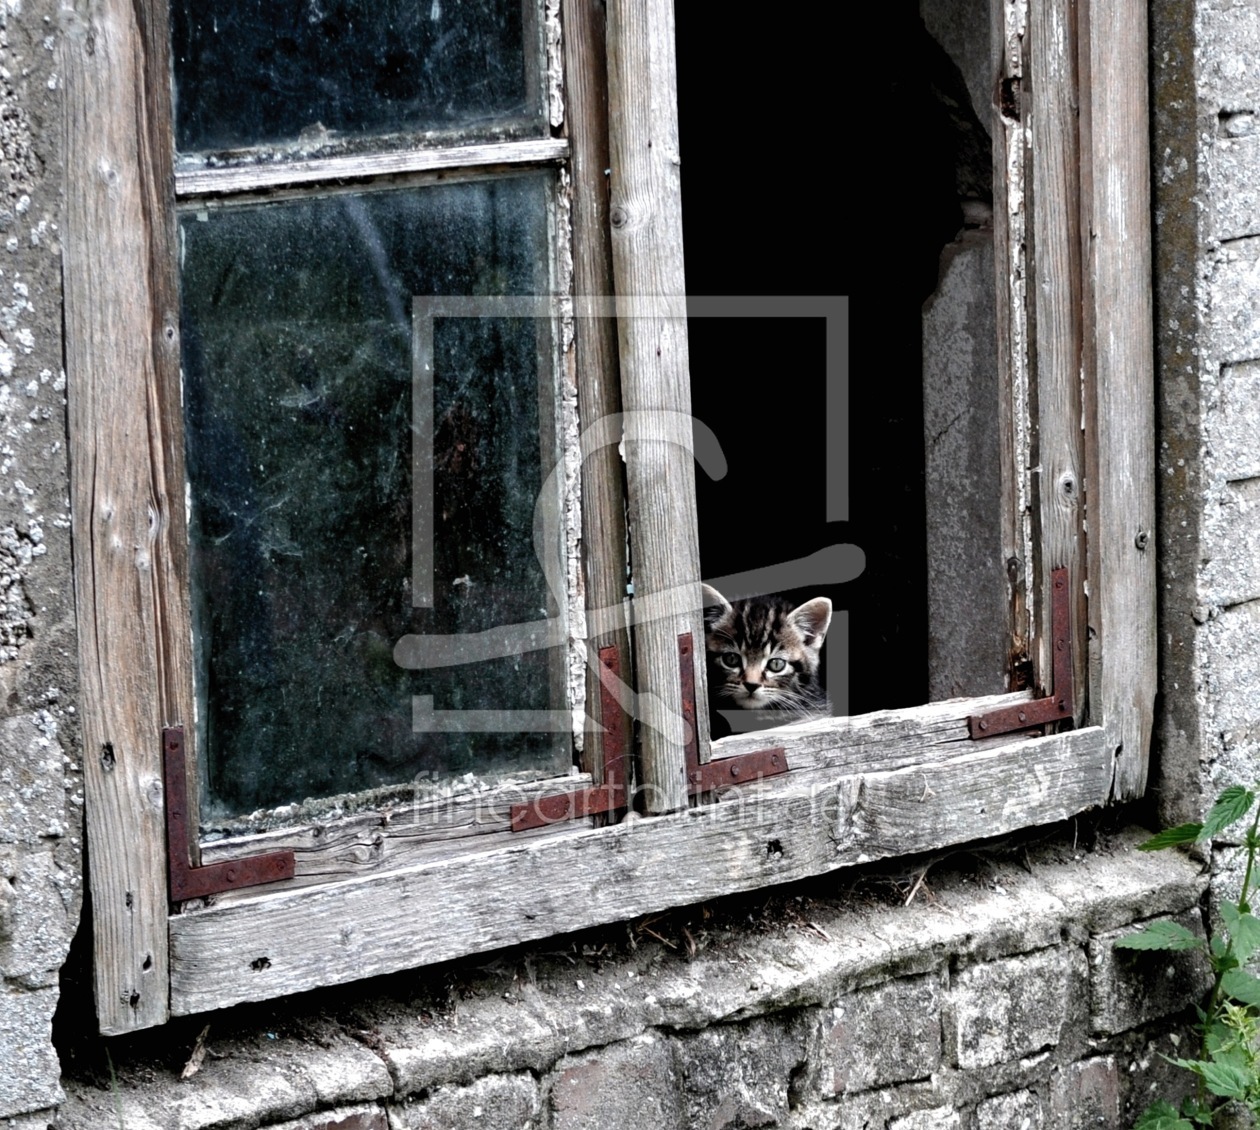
(259, 72)
(298, 394)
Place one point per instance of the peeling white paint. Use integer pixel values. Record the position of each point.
(555, 64)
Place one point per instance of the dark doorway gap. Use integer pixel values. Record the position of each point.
(804, 172)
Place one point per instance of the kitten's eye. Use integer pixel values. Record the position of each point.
(731, 660)
(776, 665)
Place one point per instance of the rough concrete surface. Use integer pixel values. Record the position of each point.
(1012, 1008)
(967, 585)
(1086, 1094)
(1130, 987)
(1019, 1110)
(345, 1118)
(41, 795)
(744, 1075)
(1235, 196)
(826, 1010)
(861, 1049)
(758, 1027)
(494, 1102)
(1231, 547)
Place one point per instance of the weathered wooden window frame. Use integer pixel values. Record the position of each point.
(1073, 246)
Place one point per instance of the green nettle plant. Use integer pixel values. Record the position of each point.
(1228, 1064)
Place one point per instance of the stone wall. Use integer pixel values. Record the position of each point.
(993, 1001)
(1206, 167)
(41, 793)
(1227, 613)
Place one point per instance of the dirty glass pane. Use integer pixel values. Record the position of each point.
(257, 72)
(300, 410)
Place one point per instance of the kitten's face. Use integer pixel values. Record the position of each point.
(763, 652)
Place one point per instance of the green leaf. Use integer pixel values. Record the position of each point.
(1162, 1116)
(1181, 834)
(1199, 1113)
(1195, 1065)
(1230, 807)
(1224, 1080)
(1242, 986)
(1244, 930)
(1161, 936)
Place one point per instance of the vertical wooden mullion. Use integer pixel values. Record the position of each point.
(173, 639)
(122, 347)
(595, 349)
(1055, 296)
(536, 54)
(1120, 398)
(1010, 215)
(647, 256)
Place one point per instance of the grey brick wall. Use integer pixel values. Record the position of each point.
(991, 1001)
(986, 1004)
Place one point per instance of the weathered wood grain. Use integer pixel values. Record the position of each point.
(1120, 404)
(402, 834)
(122, 358)
(595, 340)
(1057, 337)
(647, 248)
(1010, 261)
(394, 835)
(284, 943)
(357, 167)
(881, 741)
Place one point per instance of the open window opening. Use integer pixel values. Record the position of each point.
(894, 208)
(822, 200)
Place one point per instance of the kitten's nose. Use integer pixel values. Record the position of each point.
(751, 688)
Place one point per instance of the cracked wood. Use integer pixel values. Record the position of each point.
(776, 832)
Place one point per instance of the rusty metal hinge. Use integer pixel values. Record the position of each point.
(1056, 705)
(186, 881)
(726, 771)
(611, 795)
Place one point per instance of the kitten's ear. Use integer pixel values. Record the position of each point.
(715, 604)
(812, 619)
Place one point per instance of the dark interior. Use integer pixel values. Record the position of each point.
(804, 175)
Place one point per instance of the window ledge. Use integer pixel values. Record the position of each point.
(345, 1047)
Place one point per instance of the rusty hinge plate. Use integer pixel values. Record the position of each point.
(186, 881)
(609, 796)
(725, 771)
(1056, 706)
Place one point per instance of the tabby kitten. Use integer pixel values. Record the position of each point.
(763, 655)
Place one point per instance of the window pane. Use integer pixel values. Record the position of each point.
(255, 72)
(300, 407)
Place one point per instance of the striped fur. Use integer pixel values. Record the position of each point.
(763, 655)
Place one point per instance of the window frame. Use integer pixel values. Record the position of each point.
(859, 788)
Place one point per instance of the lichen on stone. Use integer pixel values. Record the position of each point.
(16, 610)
